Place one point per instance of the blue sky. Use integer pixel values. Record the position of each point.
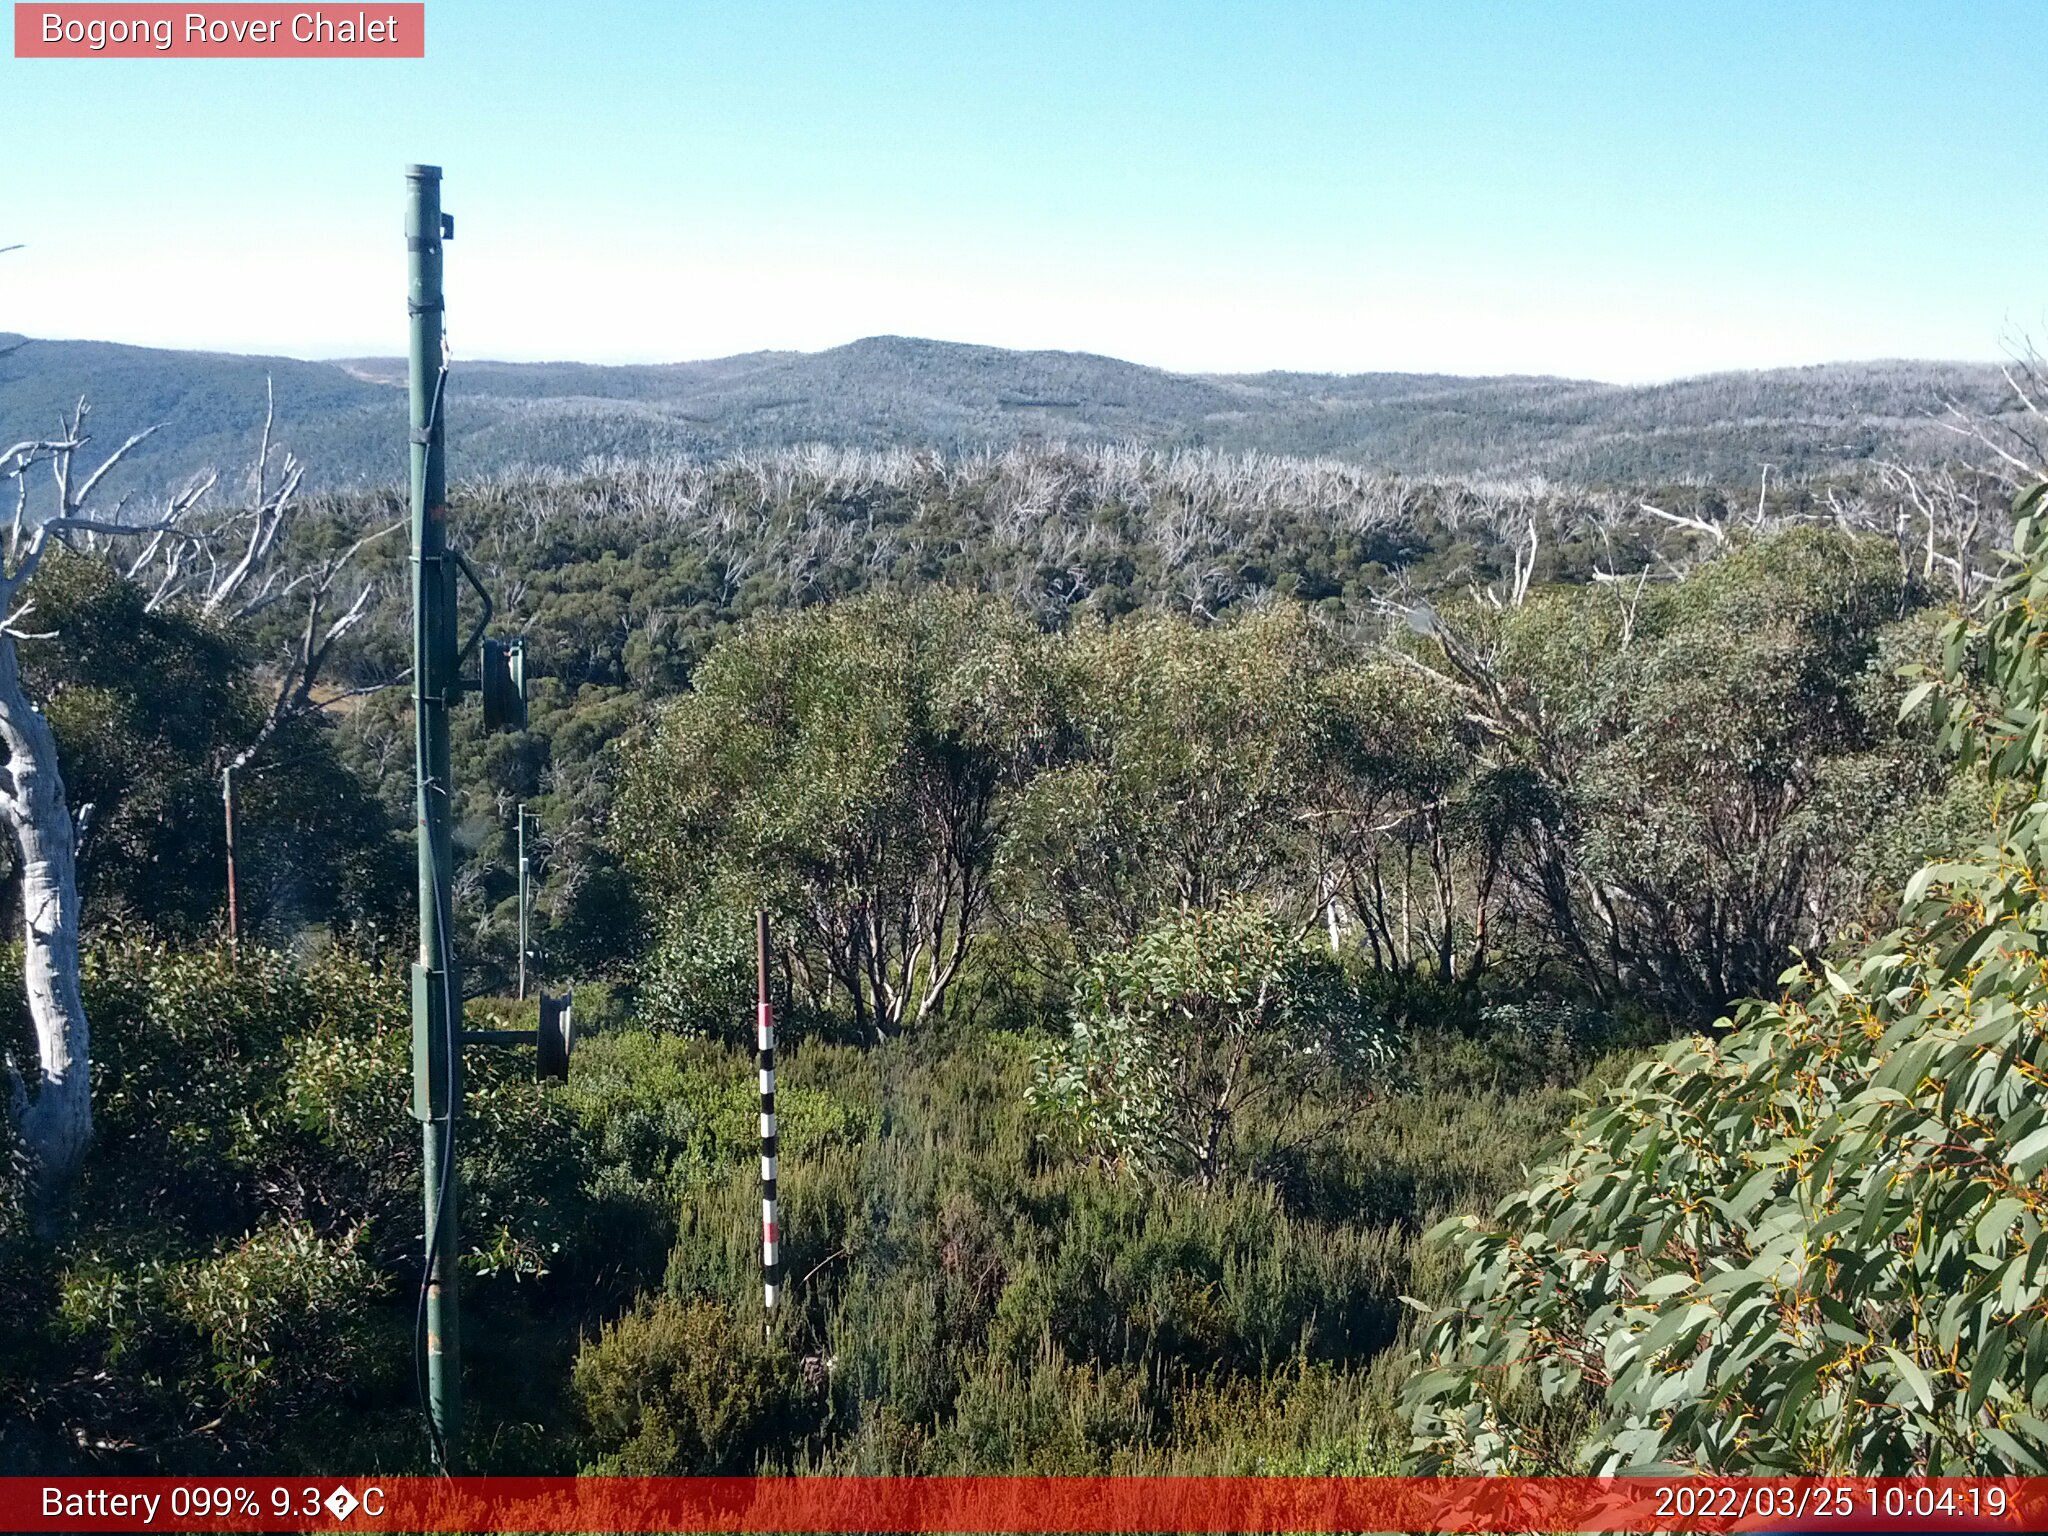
(1629, 191)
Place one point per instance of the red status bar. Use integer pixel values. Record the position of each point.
(1023, 1504)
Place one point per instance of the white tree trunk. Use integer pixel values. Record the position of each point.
(56, 1122)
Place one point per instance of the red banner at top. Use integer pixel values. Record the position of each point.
(262, 31)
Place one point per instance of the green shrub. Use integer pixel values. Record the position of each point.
(697, 976)
(599, 1008)
(1209, 1015)
(188, 1047)
(245, 1247)
(270, 1325)
(675, 1112)
(1047, 1419)
(677, 1388)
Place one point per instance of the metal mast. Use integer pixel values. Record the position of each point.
(436, 989)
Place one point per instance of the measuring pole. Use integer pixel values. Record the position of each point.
(522, 901)
(227, 797)
(764, 1026)
(436, 989)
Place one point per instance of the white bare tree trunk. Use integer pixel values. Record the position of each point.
(54, 1123)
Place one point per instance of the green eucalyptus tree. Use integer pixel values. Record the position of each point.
(844, 767)
(1175, 1039)
(1814, 1245)
(1190, 762)
(1691, 773)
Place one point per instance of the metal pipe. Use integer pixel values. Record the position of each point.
(227, 798)
(522, 903)
(437, 994)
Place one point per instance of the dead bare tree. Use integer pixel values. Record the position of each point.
(228, 564)
(1952, 509)
(1682, 520)
(54, 1123)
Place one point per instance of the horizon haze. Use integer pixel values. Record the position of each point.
(1592, 192)
(345, 359)
(344, 417)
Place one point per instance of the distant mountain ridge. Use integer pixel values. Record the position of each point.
(345, 417)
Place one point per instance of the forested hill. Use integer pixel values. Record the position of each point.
(344, 417)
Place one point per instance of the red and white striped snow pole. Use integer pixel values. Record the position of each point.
(764, 1030)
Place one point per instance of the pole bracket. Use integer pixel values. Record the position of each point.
(500, 1036)
(556, 1036)
(433, 1066)
(476, 635)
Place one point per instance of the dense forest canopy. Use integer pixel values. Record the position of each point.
(1194, 876)
(623, 580)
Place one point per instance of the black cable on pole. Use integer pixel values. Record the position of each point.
(449, 1007)
(419, 1336)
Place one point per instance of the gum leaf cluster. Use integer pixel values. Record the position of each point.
(1817, 1241)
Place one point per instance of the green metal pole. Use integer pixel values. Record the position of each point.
(436, 989)
(522, 902)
